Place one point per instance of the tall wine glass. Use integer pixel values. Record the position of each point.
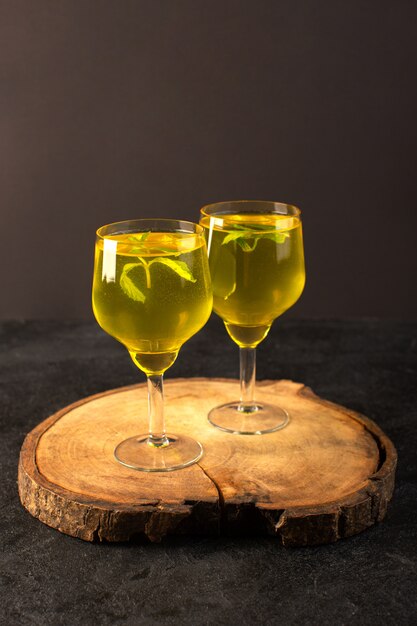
(256, 262)
(152, 292)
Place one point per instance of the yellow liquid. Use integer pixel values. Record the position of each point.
(152, 292)
(257, 270)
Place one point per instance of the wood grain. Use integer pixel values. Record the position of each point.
(329, 474)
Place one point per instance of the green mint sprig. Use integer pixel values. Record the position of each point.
(130, 288)
(244, 234)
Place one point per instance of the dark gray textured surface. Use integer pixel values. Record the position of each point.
(49, 578)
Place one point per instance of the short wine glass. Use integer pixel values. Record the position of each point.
(256, 260)
(152, 292)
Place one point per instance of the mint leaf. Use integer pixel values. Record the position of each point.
(139, 237)
(232, 237)
(128, 286)
(242, 238)
(245, 245)
(179, 267)
(278, 236)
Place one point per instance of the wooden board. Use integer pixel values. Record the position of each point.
(329, 474)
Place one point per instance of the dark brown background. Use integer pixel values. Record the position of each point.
(111, 110)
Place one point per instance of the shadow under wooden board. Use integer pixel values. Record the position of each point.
(329, 474)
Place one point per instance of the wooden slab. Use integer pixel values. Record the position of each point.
(329, 474)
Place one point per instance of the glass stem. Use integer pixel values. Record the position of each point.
(247, 379)
(157, 437)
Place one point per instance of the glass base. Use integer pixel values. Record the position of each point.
(259, 419)
(139, 454)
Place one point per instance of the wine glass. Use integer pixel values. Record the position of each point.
(152, 292)
(256, 263)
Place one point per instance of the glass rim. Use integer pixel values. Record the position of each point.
(210, 209)
(193, 228)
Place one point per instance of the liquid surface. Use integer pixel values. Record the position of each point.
(152, 292)
(257, 270)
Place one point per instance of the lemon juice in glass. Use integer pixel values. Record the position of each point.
(152, 292)
(256, 260)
